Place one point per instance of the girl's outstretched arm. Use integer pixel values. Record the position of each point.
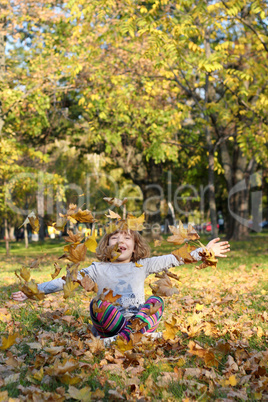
(19, 296)
(220, 248)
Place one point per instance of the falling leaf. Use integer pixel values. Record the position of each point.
(84, 216)
(137, 324)
(136, 223)
(163, 287)
(31, 290)
(157, 243)
(113, 215)
(107, 295)
(91, 244)
(208, 258)
(87, 283)
(34, 264)
(73, 238)
(60, 223)
(69, 286)
(184, 253)
(57, 270)
(77, 253)
(172, 275)
(115, 201)
(138, 265)
(153, 308)
(24, 273)
(112, 252)
(9, 341)
(180, 235)
(33, 221)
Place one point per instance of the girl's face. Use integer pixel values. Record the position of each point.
(125, 244)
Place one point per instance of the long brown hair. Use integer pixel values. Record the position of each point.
(141, 247)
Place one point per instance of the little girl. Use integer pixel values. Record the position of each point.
(126, 277)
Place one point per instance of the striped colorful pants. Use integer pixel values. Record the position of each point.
(108, 321)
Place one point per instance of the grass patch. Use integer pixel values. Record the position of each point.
(222, 306)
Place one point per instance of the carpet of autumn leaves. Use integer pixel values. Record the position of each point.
(214, 344)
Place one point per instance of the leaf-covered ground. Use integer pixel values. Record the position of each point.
(214, 345)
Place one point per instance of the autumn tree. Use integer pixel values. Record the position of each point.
(215, 63)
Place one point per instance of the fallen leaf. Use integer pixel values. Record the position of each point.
(9, 341)
(171, 329)
(83, 394)
(123, 345)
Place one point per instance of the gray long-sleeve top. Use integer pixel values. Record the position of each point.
(125, 279)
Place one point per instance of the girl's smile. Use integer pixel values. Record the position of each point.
(125, 244)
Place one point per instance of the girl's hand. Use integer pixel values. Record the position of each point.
(220, 248)
(19, 296)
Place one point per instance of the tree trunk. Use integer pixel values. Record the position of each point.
(237, 172)
(6, 237)
(41, 206)
(26, 236)
(210, 95)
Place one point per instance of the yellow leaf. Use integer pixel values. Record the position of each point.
(77, 253)
(180, 362)
(69, 287)
(9, 341)
(171, 329)
(31, 290)
(136, 223)
(83, 216)
(123, 345)
(25, 273)
(33, 220)
(232, 380)
(69, 379)
(260, 332)
(115, 201)
(38, 374)
(138, 265)
(113, 215)
(83, 394)
(199, 307)
(4, 396)
(91, 244)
